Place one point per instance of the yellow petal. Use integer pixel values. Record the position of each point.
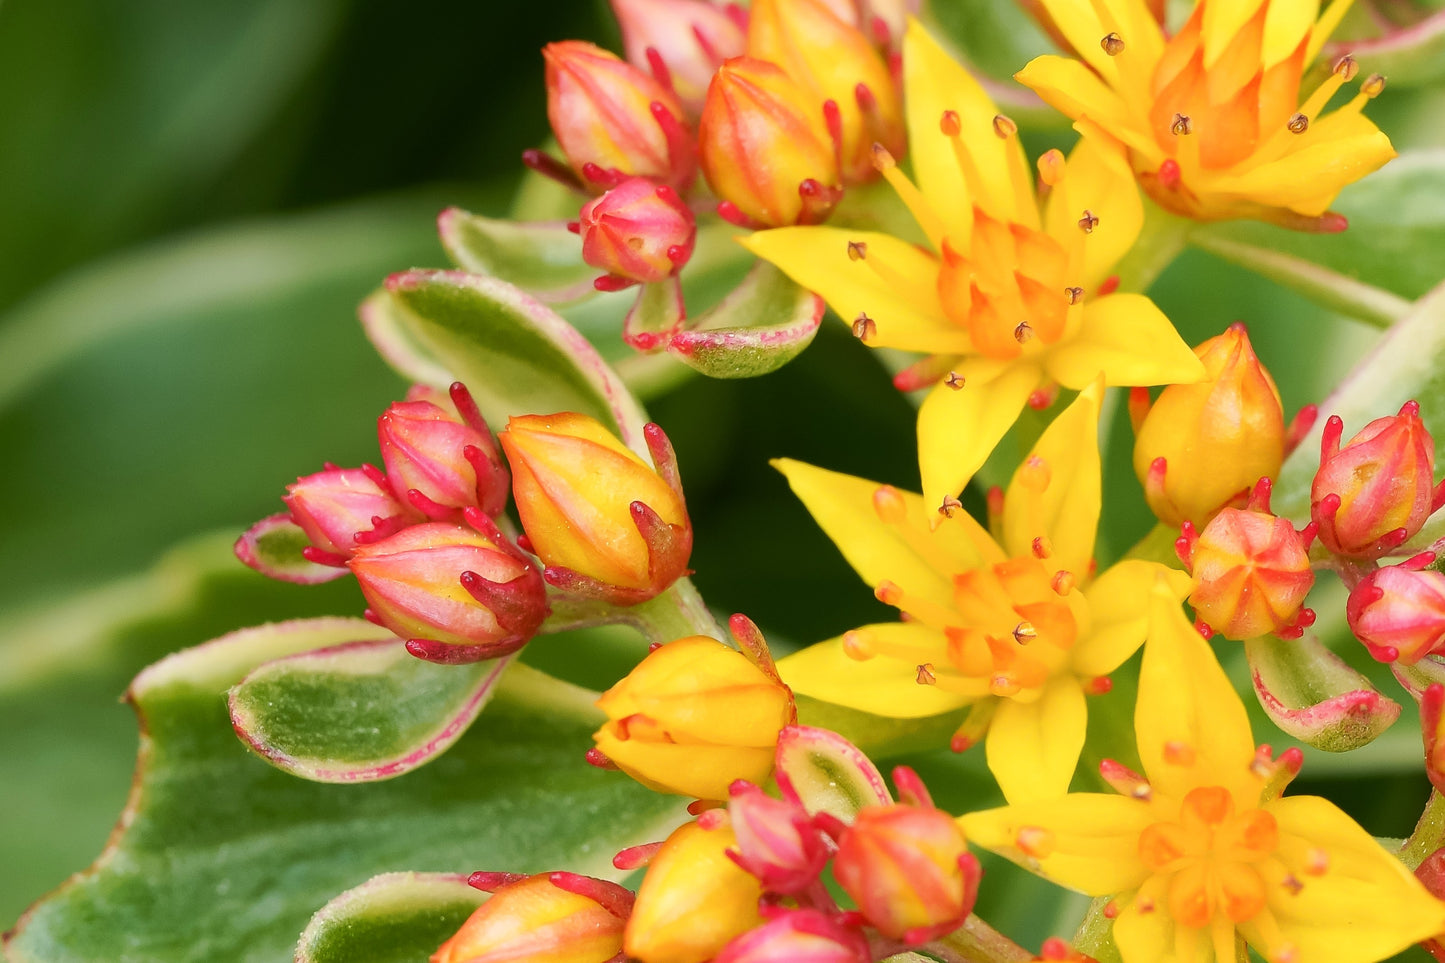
(1055, 491)
(1222, 20)
(1186, 702)
(1085, 24)
(1306, 180)
(894, 283)
(1366, 905)
(1325, 26)
(883, 686)
(934, 82)
(1128, 340)
(1097, 179)
(957, 429)
(1090, 841)
(1146, 937)
(1119, 603)
(1286, 23)
(1033, 747)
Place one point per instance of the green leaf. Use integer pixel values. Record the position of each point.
(222, 854)
(1313, 695)
(827, 773)
(393, 918)
(273, 547)
(1412, 57)
(360, 711)
(542, 258)
(757, 328)
(515, 354)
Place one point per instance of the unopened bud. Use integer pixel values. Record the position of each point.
(450, 463)
(777, 841)
(1398, 612)
(690, 37)
(334, 506)
(535, 919)
(639, 230)
(1251, 574)
(798, 936)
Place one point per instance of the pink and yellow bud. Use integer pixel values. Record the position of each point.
(798, 936)
(458, 594)
(777, 841)
(694, 900)
(764, 147)
(612, 120)
(440, 463)
(534, 918)
(834, 59)
(340, 506)
(1371, 495)
(638, 231)
(1203, 446)
(689, 38)
(1251, 573)
(1398, 612)
(605, 522)
(693, 717)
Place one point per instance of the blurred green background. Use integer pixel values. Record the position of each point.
(193, 199)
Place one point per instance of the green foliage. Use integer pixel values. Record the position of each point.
(394, 918)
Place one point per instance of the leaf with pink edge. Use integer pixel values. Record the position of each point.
(391, 918)
(360, 711)
(827, 773)
(758, 327)
(542, 258)
(1313, 695)
(273, 547)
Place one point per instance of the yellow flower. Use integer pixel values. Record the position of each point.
(1204, 852)
(1212, 117)
(1016, 629)
(1007, 297)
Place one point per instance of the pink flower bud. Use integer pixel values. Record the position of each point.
(439, 463)
(335, 506)
(1373, 494)
(639, 231)
(690, 38)
(458, 594)
(777, 842)
(1399, 613)
(1251, 574)
(800, 936)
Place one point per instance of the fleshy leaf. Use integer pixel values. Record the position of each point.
(273, 547)
(392, 918)
(514, 353)
(217, 849)
(359, 711)
(1313, 695)
(542, 258)
(1411, 57)
(758, 327)
(655, 316)
(827, 773)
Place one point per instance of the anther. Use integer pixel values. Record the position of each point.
(1024, 633)
(954, 380)
(1181, 125)
(1063, 582)
(1088, 221)
(1113, 44)
(949, 124)
(857, 250)
(1041, 547)
(1035, 473)
(1318, 862)
(925, 675)
(1298, 124)
(856, 647)
(864, 327)
(1051, 166)
(1074, 295)
(1023, 332)
(1179, 753)
(888, 593)
(882, 159)
(1004, 685)
(949, 506)
(1035, 841)
(1373, 86)
(1346, 67)
(1143, 906)
(888, 503)
(1004, 127)
(1292, 883)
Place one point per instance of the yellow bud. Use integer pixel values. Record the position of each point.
(693, 900)
(534, 919)
(1217, 437)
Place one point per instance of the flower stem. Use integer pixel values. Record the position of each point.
(976, 942)
(1429, 834)
(676, 613)
(1161, 239)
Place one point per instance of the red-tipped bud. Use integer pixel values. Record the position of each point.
(798, 936)
(1399, 613)
(470, 594)
(438, 463)
(1217, 437)
(909, 870)
(602, 113)
(831, 56)
(640, 230)
(688, 38)
(764, 146)
(1251, 574)
(1371, 495)
(535, 918)
(777, 842)
(1432, 727)
(334, 506)
(605, 522)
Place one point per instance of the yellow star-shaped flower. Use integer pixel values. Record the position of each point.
(1017, 627)
(1203, 852)
(1010, 295)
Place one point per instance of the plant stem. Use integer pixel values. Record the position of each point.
(676, 613)
(1429, 834)
(1161, 239)
(977, 942)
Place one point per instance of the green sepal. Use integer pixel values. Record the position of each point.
(1314, 696)
(757, 328)
(391, 918)
(542, 258)
(273, 547)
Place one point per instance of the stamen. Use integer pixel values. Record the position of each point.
(857, 250)
(1035, 474)
(1024, 633)
(1063, 582)
(949, 124)
(925, 675)
(952, 128)
(1346, 68)
(1051, 167)
(954, 380)
(1004, 127)
(1113, 44)
(929, 612)
(1373, 86)
(1042, 547)
(1023, 332)
(1181, 125)
(864, 328)
(857, 645)
(909, 194)
(1004, 685)
(1074, 295)
(949, 506)
(1088, 221)
(889, 504)
(1298, 124)
(1125, 781)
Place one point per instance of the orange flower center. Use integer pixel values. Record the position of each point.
(1211, 856)
(1017, 628)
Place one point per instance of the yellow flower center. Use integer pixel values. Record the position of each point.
(1211, 856)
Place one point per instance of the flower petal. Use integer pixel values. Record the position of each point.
(1146, 937)
(1345, 148)
(1365, 906)
(1085, 24)
(1119, 602)
(1128, 340)
(882, 685)
(1033, 747)
(1055, 493)
(957, 429)
(1092, 841)
(894, 283)
(1186, 702)
(1077, 92)
(1097, 178)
